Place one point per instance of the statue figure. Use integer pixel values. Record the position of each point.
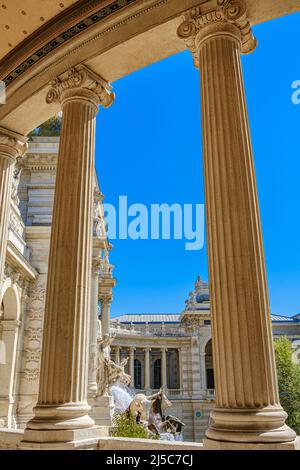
(103, 361)
(108, 372)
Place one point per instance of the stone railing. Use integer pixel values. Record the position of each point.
(147, 330)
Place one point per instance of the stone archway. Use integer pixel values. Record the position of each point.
(9, 328)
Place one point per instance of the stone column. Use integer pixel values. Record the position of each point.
(164, 369)
(247, 403)
(147, 369)
(105, 300)
(180, 369)
(203, 381)
(11, 145)
(92, 374)
(131, 365)
(117, 355)
(61, 415)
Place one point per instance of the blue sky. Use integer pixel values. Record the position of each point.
(148, 148)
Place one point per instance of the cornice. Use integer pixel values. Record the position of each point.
(61, 29)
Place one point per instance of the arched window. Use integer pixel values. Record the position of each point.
(137, 374)
(157, 374)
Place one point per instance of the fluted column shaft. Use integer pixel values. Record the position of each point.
(147, 369)
(117, 355)
(105, 300)
(164, 368)
(247, 403)
(11, 145)
(92, 374)
(62, 401)
(131, 366)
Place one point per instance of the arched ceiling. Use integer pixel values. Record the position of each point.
(20, 18)
(111, 37)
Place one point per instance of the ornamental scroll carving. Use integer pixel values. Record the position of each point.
(81, 77)
(216, 14)
(34, 330)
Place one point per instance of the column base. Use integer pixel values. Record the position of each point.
(261, 425)
(102, 410)
(63, 439)
(67, 416)
(209, 444)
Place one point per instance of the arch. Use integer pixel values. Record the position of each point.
(111, 42)
(9, 329)
(11, 300)
(137, 374)
(10, 303)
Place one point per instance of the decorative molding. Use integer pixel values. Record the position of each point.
(66, 36)
(34, 330)
(74, 31)
(16, 144)
(81, 77)
(105, 297)
(212, 19)
(96, 263)
(43, 162)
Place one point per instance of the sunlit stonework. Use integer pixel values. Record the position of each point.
(66, 366)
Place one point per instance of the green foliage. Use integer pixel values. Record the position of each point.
(50, 128)
(289, 382)
(126, 426)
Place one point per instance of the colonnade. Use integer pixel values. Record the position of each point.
(247, 402)
(158, 352)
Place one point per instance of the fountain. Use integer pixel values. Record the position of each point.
(147, 411)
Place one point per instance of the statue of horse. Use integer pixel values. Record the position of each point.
(149, 411)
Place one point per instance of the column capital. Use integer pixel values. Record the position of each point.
(105, 297)
(80, 83)
(217, 18)
(12, 144)
(95, 266)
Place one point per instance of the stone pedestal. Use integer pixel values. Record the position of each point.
(61, 416)
(247, 403)
(102, 410)
(209, 444)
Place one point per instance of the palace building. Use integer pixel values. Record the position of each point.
(169, 351)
